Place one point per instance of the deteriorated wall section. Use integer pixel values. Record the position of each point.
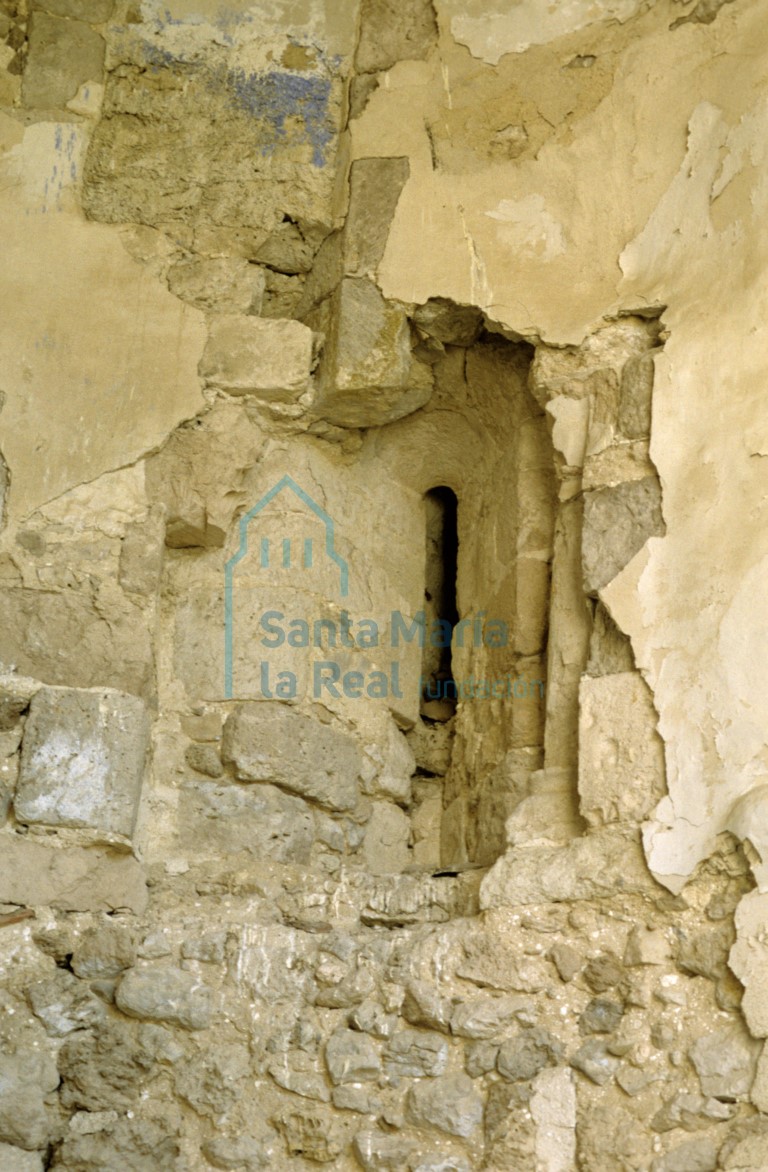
(288, 879)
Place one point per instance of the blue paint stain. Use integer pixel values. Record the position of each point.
(277, 96)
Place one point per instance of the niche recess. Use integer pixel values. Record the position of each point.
(537, 445)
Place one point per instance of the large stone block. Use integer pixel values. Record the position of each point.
(636, 392)
(374, 189)
(226, 147)
(621, 755)
(35, 874)
(617, 523)
(254, 356)
(592, 867)
(392, 31)
(62, 55)
(67, 637)
(271, 742)
(262, 820)
(368, 376)
(386, 840)
(82, 760)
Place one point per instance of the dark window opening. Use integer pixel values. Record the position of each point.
(438, 687)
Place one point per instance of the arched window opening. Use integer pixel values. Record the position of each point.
(438, 688)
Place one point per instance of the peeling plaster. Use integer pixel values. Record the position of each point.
(489, 35)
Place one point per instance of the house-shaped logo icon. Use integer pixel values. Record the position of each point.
(296, 554)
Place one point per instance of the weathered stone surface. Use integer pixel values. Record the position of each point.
(367, 375)
(25, 1079)
(63, 1004)
(598, 864)
(295, 1072)
(105, 950)
(392, 32)
(291, 247)
(444, 323)
(480, 1058)
(141, 556)
(521, 1058)
(611, 1132)
(224, 284)
(352, 989)
(169, 995)
(262, 821)
(695, 1155)
(82, 760)
(603, 971)
(744, 1146)
(567, 960)
(273, 743)
(377, 1152)
(62, 55)
(553, 1106)
(251, 356)
(209, 948)
(594, 1060)
(450, 1104)
(16, 693)
(91, 11)
(424, 1006)
(14, 1159)
(64, 638)
(486, 1017)
(385, 847)
(310, 1134)
(636, 391)
(126, 1142)
(692, 1112)
(647, 946)
(705, 952)
(415, 1054)
(395, 765)
(242, 1152)
(621, 755)
(220, 115)
(204, 759)
(212, 1082)
(749, 960)
(617, 523)
(601, 1016)
(73, 879)
(370, 1018)
(351, 1057)
(374, 189)
(726, 1062)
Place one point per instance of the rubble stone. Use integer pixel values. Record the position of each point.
(166, 995)
(451, 1104)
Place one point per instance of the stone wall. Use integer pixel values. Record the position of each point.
(290, 876)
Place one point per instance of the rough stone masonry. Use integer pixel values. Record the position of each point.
(420, 346)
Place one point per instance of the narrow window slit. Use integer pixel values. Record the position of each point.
(438, 687)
